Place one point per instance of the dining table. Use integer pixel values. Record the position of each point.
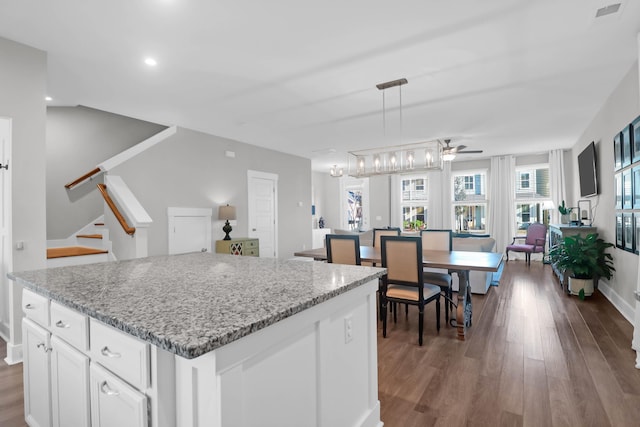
(459, 262)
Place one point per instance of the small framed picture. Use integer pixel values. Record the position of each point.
(617, 152)
(627, 190)
(626, 147)
(634, 134)
(635, 182)
(619, 241)
(636, 225)
(618, 183)
(628, 231)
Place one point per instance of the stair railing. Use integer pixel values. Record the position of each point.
(116, 212)
(88, 175)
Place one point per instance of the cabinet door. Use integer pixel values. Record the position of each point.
(37, 381)
(113, 402)
(69, 385)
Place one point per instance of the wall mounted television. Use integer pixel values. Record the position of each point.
(588, 171)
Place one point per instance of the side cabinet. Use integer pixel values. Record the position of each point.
(113, 402)
(37, 379)
(69, 385)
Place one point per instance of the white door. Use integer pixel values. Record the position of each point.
(263, 213)
(5, 228)
(189, 230)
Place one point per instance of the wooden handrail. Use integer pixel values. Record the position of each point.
(82, 178)
(123, 222)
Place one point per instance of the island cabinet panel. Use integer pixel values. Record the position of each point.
(69, 385)
(114, 403)
(37, 379)
(293, 373)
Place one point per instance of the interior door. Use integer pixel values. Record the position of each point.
(5, 228)
(263, 214)
(189, 230)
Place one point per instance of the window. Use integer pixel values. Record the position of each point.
(532, 190)
(414, 202)
(470, 202)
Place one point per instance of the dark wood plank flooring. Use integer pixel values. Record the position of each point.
(533, 357)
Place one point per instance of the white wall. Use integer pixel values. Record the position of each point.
(22, 89)
(190, 169)
(78, 139)
(617, 112)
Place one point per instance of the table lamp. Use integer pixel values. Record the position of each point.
(227, 213)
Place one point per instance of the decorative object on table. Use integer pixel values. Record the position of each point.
(585, 259)
(534, 241)
(565, 213)
(321, 222)
(227, 213)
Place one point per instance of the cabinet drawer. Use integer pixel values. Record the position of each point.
(251, 244)
(126, 356)
(251, 252)
(114, 403)
(35, 307)
(70, 325)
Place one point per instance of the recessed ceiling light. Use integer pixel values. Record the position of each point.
(150, 62)
(48, 98)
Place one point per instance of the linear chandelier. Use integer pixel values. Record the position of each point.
(398, 159)
(408, 158)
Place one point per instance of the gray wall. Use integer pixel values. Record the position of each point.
(622, 107)
(78, 138)
(190, 169)
(22, 85)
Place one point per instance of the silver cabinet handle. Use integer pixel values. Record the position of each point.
(30, 307)
(44, 347)
(106, 352)
(104, 387)
(61, 324)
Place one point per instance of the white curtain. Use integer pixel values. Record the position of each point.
(501, 218)
(557, 182)
(439, 202)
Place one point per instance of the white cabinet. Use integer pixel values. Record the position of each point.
(113, 402)
(69, 385)
(37, 380)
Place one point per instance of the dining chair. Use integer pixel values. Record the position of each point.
(403, 283)
(439, 240)
(343, 249)
(534, 241)
(379, 232)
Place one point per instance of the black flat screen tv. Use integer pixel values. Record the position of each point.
(588, 172)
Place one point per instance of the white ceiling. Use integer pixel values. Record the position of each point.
(505, 76)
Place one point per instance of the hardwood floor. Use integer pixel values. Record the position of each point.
(533, 357)
(11, 400)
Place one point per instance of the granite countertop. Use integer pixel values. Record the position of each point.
(194, 303)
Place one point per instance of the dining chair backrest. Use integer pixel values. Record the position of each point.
(402, 257)
(437, 240)
(378, 232)
(343, 249)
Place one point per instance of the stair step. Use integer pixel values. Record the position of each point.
(90, 236)
(73, 251)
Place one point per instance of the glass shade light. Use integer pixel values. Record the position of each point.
(335, 171)
(447, 157)
(423, 156)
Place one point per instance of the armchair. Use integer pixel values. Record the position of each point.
(534, 241)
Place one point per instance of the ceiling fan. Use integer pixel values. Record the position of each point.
(449, 152)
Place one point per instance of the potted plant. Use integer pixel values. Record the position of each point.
(584, 260)
(564, 213)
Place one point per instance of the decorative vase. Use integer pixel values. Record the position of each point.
(565, 218)
(575, 285)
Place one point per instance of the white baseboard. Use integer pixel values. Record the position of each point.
(14, 354)
(620, 304)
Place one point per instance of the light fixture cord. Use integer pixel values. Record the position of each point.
(384, 116)
(400, 90)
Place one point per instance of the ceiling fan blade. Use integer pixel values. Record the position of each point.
(460, 148)
(470, 152)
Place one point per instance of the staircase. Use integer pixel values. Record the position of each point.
(89, 245)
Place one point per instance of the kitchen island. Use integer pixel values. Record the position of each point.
(203, 339)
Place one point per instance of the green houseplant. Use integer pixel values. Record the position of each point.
(584, 259)
(564, 212)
